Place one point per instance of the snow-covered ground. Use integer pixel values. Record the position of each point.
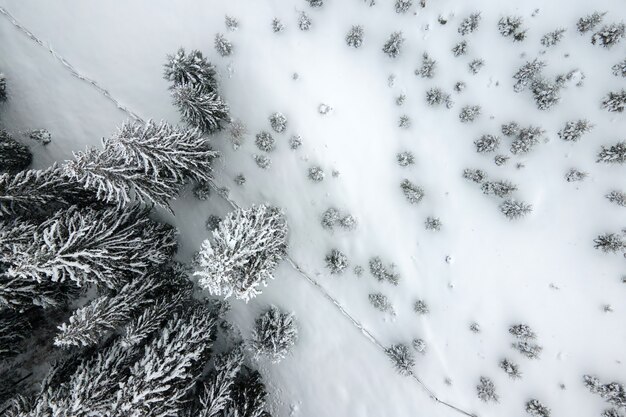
(541, 270)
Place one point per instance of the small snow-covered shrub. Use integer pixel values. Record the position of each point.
(522, 331)
(526, 140)
(617, 197)
(469, 24)
(405, 158)
(316, 174)
(403, 6)
(432, 223)
(589, 22)
(277, 25)
(609, 243)
(265, 141)
(619, 69)
(223, 45)
(316, 3)
(274, 334)
(552, 38)
(614, 154)
(500, 160)
(412, 192)
(460, 49)
(614, 392)
(402, 358)
(615, 101)
(510, 129)
(420, 307)
(427, 69)
(509, 25)
(487, 144)
(393, 46)
(609, 35)
(435, 97)
(574, 175)
(475, 175)
(419, 345)
(202, 191)
(381, 302)
(383, 273)
(304, 22)
(459, 86)
(354, 38)
(262, 161)
(400, 99)
(231, 23)
(486, 390)
(278, 121)
(545, 93)
(515, 209)
(498, 188)
(574, 130)
(336, 261)
(348, 222)
(404, 122)
(40, 135)
(528, 349)
(213, 222)
(357, 270)
(536, 409)
(330, 217)
(475, 66)
(240, 179)
(295, 142)
(469, 113)
(510, 368)
(474, 327)
(526, 74)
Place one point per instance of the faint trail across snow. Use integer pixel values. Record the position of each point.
(368, 335)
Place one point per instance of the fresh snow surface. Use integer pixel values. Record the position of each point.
(541, 270)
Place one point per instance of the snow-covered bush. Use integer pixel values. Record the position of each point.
(510, 129)
(278, 121)
(614, 392)
(511, 26)
(40, 135)
(295, 142)
(615, 101)
(383, 273)
(304, 21)
(405, 158)
(277, 25)
(609, 243)
(529, 349)
(614, 154)
(552, 38)
(348, 222)
(419, 345)
(427, 69)
(435, 97)
(617, 197)
(475, 66)
(420, 307)
(469, 113)
(231, 23)
(404, 122)
(222, 45)
(433, 223)
(354, 37)
(316, 3)
(486, 390)
(459, 86)
(619, 69)
(213, 222)
(200, 108)
(412, 192)
(574, 175)
(589, 22)
(403, 6)
(330, 217)
(522, 331)
(526, 74)
(190, 69)
(515, 209)
(265, 141)
(500, 160)
(380, 302)
(274, 334)
(245, 249)
(475, 175)
(402, 358)
(487, 144)
(537, 409)
(400, 99)
(469, 24)
(498, 188)
(460, 49)
(393, 46)
(14, 156)
(575, 129)
(336, 261)
(510, 368)
(262, 161)
(609, 35)
(316, 174)
(526, 139)
(545, 93)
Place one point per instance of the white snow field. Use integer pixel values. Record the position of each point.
(541, 270)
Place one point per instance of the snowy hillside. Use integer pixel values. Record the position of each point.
(428, 259)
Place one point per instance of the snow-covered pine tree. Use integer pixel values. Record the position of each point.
(589, 22)
(405, 158)
(619, 69)
(526, 139)
(274, 334)
(574, 175)
(14, 328)
(552, 38)
(609, 243)
(545, 93)
(393, 46)
(614, 154)
(486, 390)
(510, 368)
(316, 3)
(469, 113)
(474, 175)
(498, 188)
(522, 331)
(354, 37)
(85, 246)
(412, 192)
(190, 69)
(222, 45)
(617, 197)
(200, 108)
(248, 395)
(536, 408)
(510, 26)
(336, 261)
(514, 209)
(20, 294)
(304, 22)
(381, 302)
(487, 144)
(403, 6)
(14, 156)
(459, 49)
(575, 129)
(3, 87)
(469, 24)
(613, 392)
(529, 349)
(609, 35)
(615, 101)
(527, 73)
(382, 272)
(402, 358)
(247, 246)
(427, 69)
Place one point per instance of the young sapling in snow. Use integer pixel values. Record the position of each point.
(383, 273)
(526, 140)
(486, 390)
(202, 191)
(265, 141)
(545, 93)
(404, 122)
(405, 158)
(469, 114)
(274, 334)
(511, 26)
(589, 22)
(510, 368)
(575, 129)
(526, 74)
(213, 222)
(522, 331)
(40, 135)
(614, 154)
(403, 6)
(240, 179)
(316, 3)
(615, 101)
(380, 302)
(474, 175)
(231, 23)
(427, 69)
(475, 66)
(223, 45)
(619, 69)
(393, 46)
(420, 307)
(510, 129)
(419, 345)
(460, 49)
(295, 142)
(433, 223)
(336, 261)
(412, 192)
(515, 209)
(552, 38)
(469, 24)
(278, 121)
(487, 144)
(316, 174)
(304, 22)
(330, 218)
(498, 188)
(617, 197)
(459, 86)
(575, 175)
(537, 409)
(348, 222)
(529, 349)
(262, 161)
(277, 25)
(237, 130)
(3, 87)
(609, 243)
(354, 38)
(402, 358)
(500, 160)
